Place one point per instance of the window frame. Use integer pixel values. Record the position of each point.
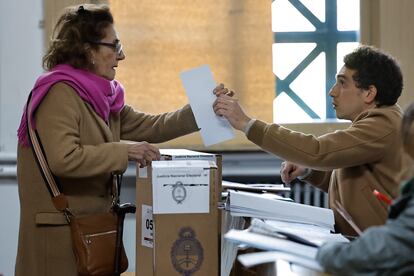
(326, 37)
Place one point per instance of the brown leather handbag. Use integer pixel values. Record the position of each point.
(97, 238)
(94, 244)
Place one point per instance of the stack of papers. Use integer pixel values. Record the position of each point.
(290, 231)
(246, 204)
(271, 244)
(258, 258)
(313, 234)
(229, 248)
(255, 187)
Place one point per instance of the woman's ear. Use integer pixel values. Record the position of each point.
(91, 53)
(371, 94)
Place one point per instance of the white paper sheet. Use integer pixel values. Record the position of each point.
(181, 187)
(199, 84)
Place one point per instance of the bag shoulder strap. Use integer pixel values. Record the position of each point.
(59, 200)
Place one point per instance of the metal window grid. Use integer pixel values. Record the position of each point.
(326, 36)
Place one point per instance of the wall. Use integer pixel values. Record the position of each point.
(388, 25)
(163, 38)
(20, 56)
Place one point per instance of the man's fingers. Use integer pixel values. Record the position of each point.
(221, 90)
(286, 172)
(218, 89)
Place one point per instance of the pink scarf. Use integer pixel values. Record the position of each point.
(104, 96)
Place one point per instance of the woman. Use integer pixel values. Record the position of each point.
(80, 116)
(382, 250)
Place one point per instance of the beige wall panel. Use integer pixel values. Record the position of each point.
(163, 38)
(397, 37)
(54, 8)
(370, 22)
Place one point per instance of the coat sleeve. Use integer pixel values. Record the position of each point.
(138, 126)
(57, 122)
(366, 141)
(385, 248)
(319, 179)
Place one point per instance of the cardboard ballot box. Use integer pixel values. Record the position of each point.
(178, 222)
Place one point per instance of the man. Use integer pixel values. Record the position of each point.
(386, 249)
(350, 163)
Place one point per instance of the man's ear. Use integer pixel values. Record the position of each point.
(371, 94)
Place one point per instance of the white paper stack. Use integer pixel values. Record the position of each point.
(255, 187)
(255, 205)
(252, 259)
(314, 234)
(290, 231)
(228, 248)
(277, 249)
(270, 243)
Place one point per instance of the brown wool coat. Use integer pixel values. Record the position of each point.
(348, 163)
(82, 151)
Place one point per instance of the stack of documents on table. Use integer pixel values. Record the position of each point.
(246, 204)
(255, 187)
(302, 233)
(292, 242)
(292, 231)
(228, 248)
(294, 249)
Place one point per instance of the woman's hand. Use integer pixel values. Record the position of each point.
(143, 153)
(290, 171)
(228, 107)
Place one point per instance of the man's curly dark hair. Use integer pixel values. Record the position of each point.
(374, 67)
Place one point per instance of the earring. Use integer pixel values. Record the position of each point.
(93, 62)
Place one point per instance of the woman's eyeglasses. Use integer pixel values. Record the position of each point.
(117, 46)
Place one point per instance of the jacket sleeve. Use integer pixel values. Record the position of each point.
(57, 122)
(319, 179)
(138, 126)
(366, 141)
(385, 248)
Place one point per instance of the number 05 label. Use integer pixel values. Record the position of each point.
(147, 238)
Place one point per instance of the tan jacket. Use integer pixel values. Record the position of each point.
(81, 151)
(348, 163)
